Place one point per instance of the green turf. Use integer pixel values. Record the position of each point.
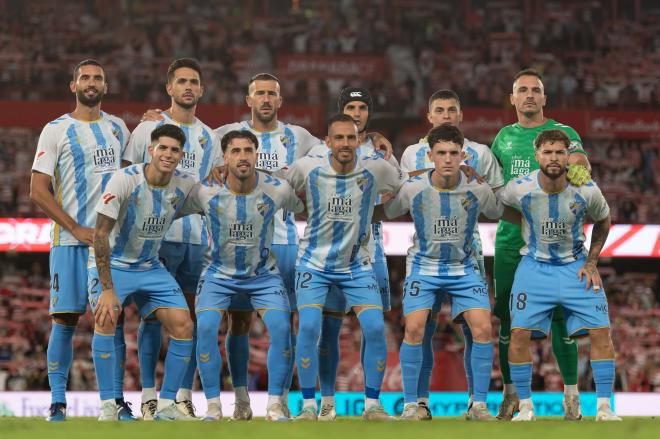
(446, 428)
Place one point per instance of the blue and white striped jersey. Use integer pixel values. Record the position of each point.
(144, 213)
(200, 154)
(80, 157)
(553, 224)
(241, 225)
(278, 149)
(477, 156)
(339, 210)
(445, 222)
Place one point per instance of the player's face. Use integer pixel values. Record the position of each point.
(241, 158)
(342, 139)
(528, 95)
(185, 88)
(359, 111)
(89, 86)
(264, 99)
(445, 111)
(165, 154)
(553, 158)
(447, 157)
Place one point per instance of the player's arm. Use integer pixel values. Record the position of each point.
(108, 306)
(598, 237)
(41, 195)
(579, 168)
(381, 144)
(509, 199)
(511, 215)
(193, 203)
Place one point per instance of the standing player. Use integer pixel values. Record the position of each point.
(182, 251)
(445, 207)
(514, 148)
(77, 153)
(134, 214)
(340, 192)
(556, 269)
(445, 108)
(240, 216)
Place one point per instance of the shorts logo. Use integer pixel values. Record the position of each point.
(480, 291)
(553, 231)
(108, 197)
(305, 362)
(445, 229)
(340, 208)
(380, 365)
(602, 308)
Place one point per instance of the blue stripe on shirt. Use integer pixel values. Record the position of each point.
(420, 158)
(366, 204)
(101, 140)
(207, 146)
(80, 178)
(576, 229)
(214, 219)
(124, 231)
(417, 214)
(470, 227)
(316, 217)
(264, 251)
(527, 214)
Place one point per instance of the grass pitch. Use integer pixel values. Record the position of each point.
(87, 428)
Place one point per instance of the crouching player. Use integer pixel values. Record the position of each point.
(240, 215)
(445, 207)
(134, 214)
(556, 269)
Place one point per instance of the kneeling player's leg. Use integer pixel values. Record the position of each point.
(411, 353)
(237, 344)
(208, 352)
(179, 326)
(481, 361)
(566, 352)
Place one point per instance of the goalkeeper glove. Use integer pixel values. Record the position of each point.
(578, 175)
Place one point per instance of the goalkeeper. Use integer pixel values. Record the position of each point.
(514, 149)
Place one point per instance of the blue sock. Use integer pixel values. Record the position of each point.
(292, 361)
(59, 356)
(603, 371)
(467, 357)
(482, 365)
(309, 330)
(176, 362)
(148, 341)
(208, 352)
(375, 350)
(120, 360)
(329, 354)
(238, 356)
(427, 359)
(363, 342)
(278, 324)
(521, 377)
(103, 353)
(410, 357)
(189, 376)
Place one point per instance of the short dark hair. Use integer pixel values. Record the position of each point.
(169, 130)
(444, 94)
(238, 134)
(527, 72)
(339, 117)
(445, 133)
(262, 77)
(86, 62)
(551, 136)
(190, 63)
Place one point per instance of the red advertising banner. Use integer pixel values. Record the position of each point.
(343, 66)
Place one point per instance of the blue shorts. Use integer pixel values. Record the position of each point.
(360, 288)
(539, 287)
(336, 302)
(149, 289)
(262, 292)
(465, 292)
(184, 261)
(68, 279)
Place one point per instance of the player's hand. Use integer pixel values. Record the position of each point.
(83, 234)
(218, 175)
(590, 271)
(108, 308)
(153, 115)
(381, 144)
(578, 175)
(471, 174)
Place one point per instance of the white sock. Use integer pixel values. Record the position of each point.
(408, 404)
(184, 395)
(602, 402)
(527, 401)
(478, 403)
(328, 400)
(242, 394)
(510, 389)
(371, 402)
(164, 402)
(148, 393)
(571, 389)
(215, 400)
(311, 402)
(285, 397)
(423, 401)
(273, 399)
(103, 401)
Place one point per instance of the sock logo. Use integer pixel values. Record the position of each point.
(323, 351)
(305, 362)
(380, 365)
(186, 360)
(568, 340)
(504, 339)
(53, 366)
(287, 353)
(105, 355)
(204, 358)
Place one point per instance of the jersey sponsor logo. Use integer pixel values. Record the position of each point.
(340, 208)
(241, 234)
(553, 231)
(108, 197)
(105, 159)
(268, 161)
(188, 161)
(153, 227)
(445, 229)
(520, 166)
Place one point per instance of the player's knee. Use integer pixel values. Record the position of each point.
(107, 328)
(279, 325)
(309, 324)
(181, 327)
(519, 339)
(601, 340)
(67, 319)
(207, 323)
(374, 327)
(481, 331)
(414, 332)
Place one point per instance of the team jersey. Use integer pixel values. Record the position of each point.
(477, 156)
(143, 212)
(445, 222)
(553, 226)
(514, 149)
(241, 225)
(80, 157)
(339, 210)
(278, 149)
(201, 153)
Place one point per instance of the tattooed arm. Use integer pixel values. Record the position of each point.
(108, 306)
(598, 237)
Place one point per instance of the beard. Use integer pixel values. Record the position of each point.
(553, 174)
(265, 119)
(89, 102)
(186, 105)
